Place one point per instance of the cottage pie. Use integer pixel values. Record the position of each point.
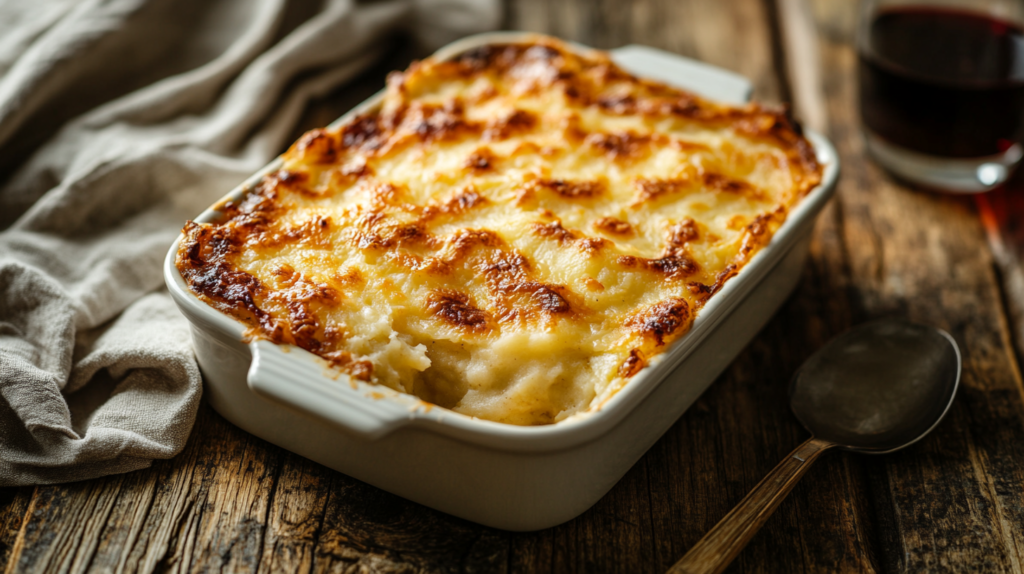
(513, 234)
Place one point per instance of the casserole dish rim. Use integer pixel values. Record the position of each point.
(395, 410)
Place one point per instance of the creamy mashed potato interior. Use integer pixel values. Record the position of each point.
(513, 235)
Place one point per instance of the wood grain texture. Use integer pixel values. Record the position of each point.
(954, 502)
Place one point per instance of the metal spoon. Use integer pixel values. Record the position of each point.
(875, 389)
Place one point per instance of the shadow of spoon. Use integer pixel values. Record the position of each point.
(876, 388)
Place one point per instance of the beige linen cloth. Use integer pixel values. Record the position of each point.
(119, 120)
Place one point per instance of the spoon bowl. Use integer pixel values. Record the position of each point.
(877, 388)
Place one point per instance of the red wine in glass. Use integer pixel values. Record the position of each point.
(942, 82)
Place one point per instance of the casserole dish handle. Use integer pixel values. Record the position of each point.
(312, 388)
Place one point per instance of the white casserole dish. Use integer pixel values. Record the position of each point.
(506, 476)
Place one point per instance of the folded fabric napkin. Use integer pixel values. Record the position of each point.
(119, 120)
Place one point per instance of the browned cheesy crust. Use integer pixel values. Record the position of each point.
(513, 235)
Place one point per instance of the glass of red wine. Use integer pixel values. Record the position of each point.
(942, 90)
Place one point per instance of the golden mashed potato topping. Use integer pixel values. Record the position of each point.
(512, 235)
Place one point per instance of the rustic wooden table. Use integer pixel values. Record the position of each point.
(953, 502)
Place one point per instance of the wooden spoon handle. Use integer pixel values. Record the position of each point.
(723, 542)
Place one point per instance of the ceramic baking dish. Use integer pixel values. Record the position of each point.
(512, 477)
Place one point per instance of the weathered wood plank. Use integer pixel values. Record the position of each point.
(14, 503)
(296, 516)
(615, 535)
(367, 529)
(110, 523)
